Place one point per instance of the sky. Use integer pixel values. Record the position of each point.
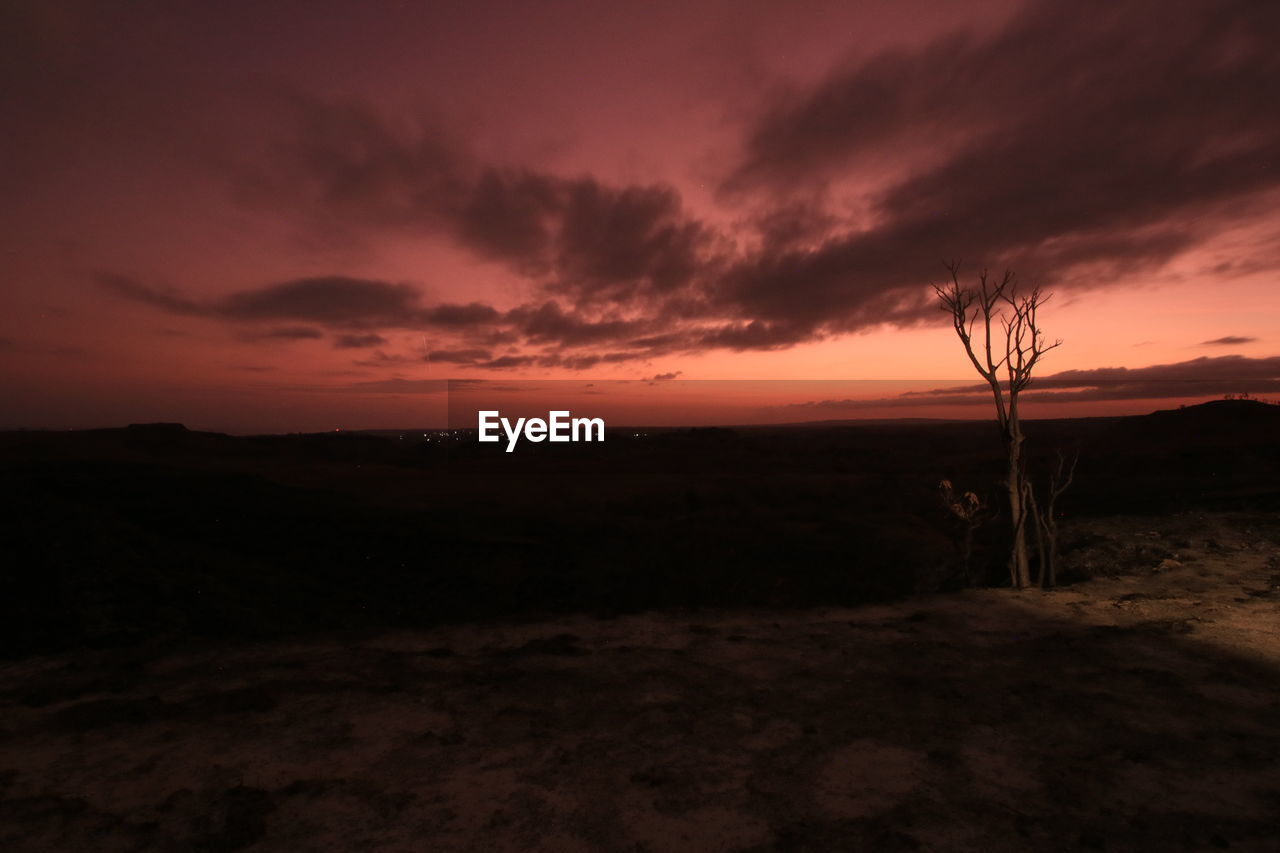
(281, 216)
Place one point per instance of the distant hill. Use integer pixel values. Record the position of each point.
(1221, 412)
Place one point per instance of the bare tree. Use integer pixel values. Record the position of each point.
(1008, 348)
(1046, 518)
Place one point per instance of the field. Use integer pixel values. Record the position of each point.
(1131, 713)
(703, 640)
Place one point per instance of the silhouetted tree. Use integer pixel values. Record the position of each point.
(1046, 518)
(1008, 348)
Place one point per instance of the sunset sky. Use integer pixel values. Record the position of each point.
(278, 216)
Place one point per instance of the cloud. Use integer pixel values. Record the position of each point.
(379, 358)
(284, 333)
(549, 323)
(470, 314)
(165, 299)
(606, 262)
(346, 168)
(552, 335)
(582, 239)
(1228, 340)
(626, 243)
(1075, 147)
(358, 341)
(334, 301)
(662, 376)
(507, 361)
(624, 266)
(1109, 74)
(1199, 377)
(459, 356)
(1225, 370)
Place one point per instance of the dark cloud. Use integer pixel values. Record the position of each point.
(164, 299)
(625, 243)
(1076, 145)
(1200, 377)
(349, 169)
(507, 361)
(1227, 374)
(342, 165)
(358, 341)
(1197, 78)
(1228, 340)
(556, 335)
(585, 240)
(459, 356)
(378, 358)
(333, 301)
(585, 361)
(456, 316)
(549, 323)
(663, 376)
(757, 334)
(607, 263)
(508, 217)
(616, 265)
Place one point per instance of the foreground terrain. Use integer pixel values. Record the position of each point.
(1129, 712)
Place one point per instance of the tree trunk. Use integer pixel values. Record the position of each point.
(1036, 518)
(1019, 564)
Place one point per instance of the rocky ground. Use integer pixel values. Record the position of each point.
(1139, 711)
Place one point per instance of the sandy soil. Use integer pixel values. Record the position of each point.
(1129, 713)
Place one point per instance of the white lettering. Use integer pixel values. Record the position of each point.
(559, 424)
(513, 435)
(486, 425)
(558, 427)
(587, 424)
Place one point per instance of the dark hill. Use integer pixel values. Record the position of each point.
(1217, 414)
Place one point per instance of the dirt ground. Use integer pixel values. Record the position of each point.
(1136, 712)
